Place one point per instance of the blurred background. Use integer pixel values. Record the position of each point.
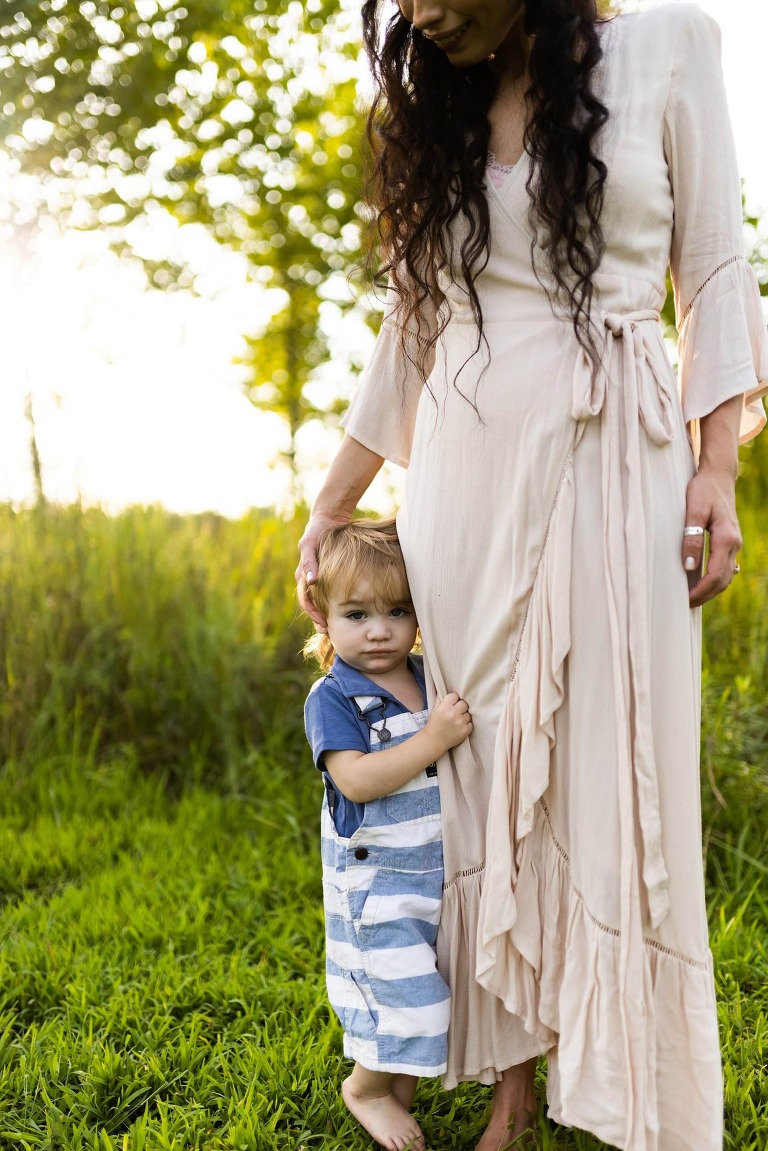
(183, 321)
(179, 193)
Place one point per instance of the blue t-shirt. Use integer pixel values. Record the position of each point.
(333, 723)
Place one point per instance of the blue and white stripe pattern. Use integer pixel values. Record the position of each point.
(382, 889)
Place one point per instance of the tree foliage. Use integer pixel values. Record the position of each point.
(239, 115)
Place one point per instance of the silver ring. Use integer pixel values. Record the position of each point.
(736, 569)
(693, 531)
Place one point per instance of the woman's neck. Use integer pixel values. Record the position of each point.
(511, 57)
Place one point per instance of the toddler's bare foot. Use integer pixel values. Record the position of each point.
(383, 1117)
(404, 1089)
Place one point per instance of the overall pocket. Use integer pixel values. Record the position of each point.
(417, 799)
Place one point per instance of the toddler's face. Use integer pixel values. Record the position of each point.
(371, 636)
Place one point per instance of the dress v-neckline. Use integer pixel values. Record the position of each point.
(509, 171)
(506, 198)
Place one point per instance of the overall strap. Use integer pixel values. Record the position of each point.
(366, 704)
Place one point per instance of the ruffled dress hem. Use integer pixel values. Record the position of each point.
(630, 1025)
(481, 1025)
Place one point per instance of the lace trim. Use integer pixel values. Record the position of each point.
(725, 264)
(603, 926)
(505, 169)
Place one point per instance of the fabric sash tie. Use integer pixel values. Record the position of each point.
(634, 385)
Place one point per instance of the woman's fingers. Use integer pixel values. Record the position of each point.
(306, 572)
(303, 586)
(693, 548)
(305, 602)
(308, 550)
(724, 545)
(710, 505)
(305, 575)
(317, 617)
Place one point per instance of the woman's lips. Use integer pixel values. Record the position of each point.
(449, 40)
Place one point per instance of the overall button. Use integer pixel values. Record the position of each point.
(361, 853)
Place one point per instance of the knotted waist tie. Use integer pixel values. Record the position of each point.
(633, 386)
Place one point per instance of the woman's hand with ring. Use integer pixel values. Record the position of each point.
(711, 504)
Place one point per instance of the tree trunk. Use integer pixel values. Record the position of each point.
(37, 470)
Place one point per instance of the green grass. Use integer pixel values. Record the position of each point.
(161, 972)
(161, 940)
(174, 636)
(162, 965)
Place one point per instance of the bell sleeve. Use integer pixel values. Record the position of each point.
(382, 414)
(723, 348)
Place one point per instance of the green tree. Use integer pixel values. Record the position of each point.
(239, 116)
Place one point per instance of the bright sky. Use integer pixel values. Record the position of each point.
(135, 396)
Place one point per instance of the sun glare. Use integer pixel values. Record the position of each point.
(133, 392)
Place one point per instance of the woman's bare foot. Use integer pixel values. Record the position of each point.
(514, 1132)
(370, 1097)
(514, 1112)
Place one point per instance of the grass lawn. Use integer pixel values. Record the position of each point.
(161, 972)
(161, 936)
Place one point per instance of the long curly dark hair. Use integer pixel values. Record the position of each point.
(428, 131)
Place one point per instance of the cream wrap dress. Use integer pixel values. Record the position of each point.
(543, 545)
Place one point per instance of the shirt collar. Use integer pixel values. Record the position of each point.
(352, 682)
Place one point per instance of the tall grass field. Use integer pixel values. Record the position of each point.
(161, 934)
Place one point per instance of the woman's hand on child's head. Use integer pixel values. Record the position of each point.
(306, 572)
(304, 593)
(450, 721)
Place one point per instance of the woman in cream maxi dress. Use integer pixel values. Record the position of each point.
(543, 545)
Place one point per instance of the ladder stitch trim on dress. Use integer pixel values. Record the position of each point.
(603, 926)
(732, 260)
(457, 875)
(409, 333)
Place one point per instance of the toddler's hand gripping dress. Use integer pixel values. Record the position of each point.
(543, 545)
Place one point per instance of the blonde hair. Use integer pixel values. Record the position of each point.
(363, 549)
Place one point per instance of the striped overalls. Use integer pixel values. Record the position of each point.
(382, 889)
